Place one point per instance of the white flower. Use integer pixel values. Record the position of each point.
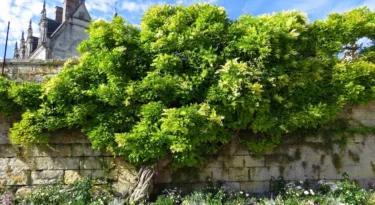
(306, 192)
(247, 195)
(312, 192)
(241, 192)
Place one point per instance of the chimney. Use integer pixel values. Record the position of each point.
(69, 6)
(58, 14)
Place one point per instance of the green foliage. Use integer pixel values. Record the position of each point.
(7, 105)
(350, 193)
(15, 97)
(79, 193)
(190, 79)
(327, 193)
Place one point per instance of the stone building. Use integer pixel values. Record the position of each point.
(59, 37)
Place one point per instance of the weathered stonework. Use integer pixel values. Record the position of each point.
(251, 172)
(69, 157)
(32, 70)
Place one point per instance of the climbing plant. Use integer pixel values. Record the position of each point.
(186, 82)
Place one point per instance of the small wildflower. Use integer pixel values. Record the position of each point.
(306, 192)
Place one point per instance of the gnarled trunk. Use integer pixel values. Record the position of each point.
(144, 185)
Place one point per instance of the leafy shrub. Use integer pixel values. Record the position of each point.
(190, 79)
(350, 192)
(78, 193)
(327, 193)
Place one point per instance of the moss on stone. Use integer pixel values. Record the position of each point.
(337, 161)
(304, 164)
(355, 157)
(322, 159)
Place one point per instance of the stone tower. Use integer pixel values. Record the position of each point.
(23, 47)
(69, 6)
(43, 26)
(16, 55)
(29, 40)
(58, 37)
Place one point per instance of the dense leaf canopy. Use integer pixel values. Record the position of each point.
(190, 78)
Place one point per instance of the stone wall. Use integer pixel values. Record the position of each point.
(32, 70)
(69, 156)
(310, 160)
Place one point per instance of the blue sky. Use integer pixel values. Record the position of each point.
(19, 12)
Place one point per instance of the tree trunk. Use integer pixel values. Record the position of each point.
(144, 185)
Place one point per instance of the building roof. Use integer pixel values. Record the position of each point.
(71, 15)
(35, 43)
(52, 26)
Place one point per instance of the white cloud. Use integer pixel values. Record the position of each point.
(104, 6)
(139, 6)
(19, 13)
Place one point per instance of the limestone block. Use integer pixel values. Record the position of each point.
(18, 164)
(325, 172)
(14, 177)
(62, 151)
(127, 176)
(238, 174)
(220, 174)
(368, 123)
(71, 176)
(122, 164)
(43, 163)
(234, 162)
(233, 185)
(352, 156)
(311, 155)
(66, 163)
(369, 138)
(276, 160)
(242, 150)
(108, 162)
(204, 175)
(4, 139)
(84, 150)
(360, 172)
(4, 162)
(24, 191)
(40, 151)
(99, 177)
(251, 161)
(358, 139)
(215, 161)
(263, 173)
(229, 149)
(46, 177)
(294, 173)
(122, 188)
(363, 114)
(91, 163)
(254, 187)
